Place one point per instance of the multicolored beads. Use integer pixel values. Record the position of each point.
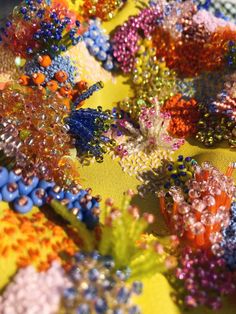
(33, 133)
(97, 287)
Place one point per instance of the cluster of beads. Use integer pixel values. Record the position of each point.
(98, 44)
(200, 216)
(54, 72)
(87, 127)
(178, 172)
(126, 38)
(213, 128)
(24, 193)
(184, 115)
(103, 9)
(19, 30)
(229, 240)
(201, 46)
(225, 105)
(32, 292)
(220, 8)
(231, 55)
(150, 135)
(150, 77)
(98, 287)
(35, 135)
(206, 279)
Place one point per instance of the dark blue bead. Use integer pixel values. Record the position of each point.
(137, 287)
(23, 10)
(93, 274)
(123, 295)
(83, 309)
(100, 306)
(69, 293)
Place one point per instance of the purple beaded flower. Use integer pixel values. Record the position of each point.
(125, 40)
(204, 279)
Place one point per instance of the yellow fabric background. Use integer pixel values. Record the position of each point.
(108, 180)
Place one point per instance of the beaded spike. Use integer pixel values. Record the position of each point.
(87, 127)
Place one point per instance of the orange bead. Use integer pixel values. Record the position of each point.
(82, 85)
(61, 76)
(52, 86)
(24, 80)
(44, 61)
(65, 91)
(38, 78)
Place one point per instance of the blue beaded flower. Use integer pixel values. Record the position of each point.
(59, 63)
(229, 240)
(98, 288)
(87, 126)
(99, 45)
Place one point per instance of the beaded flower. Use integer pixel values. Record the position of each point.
(33, 292)
(98, 44)
(33, 133)
(24, 193)
(26, 237)
(98, 288)
(103, 9)
(146, 144)
(202, 280)
(200, 211)
(125, 39)
(184, 116)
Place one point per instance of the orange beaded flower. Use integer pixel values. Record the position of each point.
(184, 116)
(188, 57)
(34, 123)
